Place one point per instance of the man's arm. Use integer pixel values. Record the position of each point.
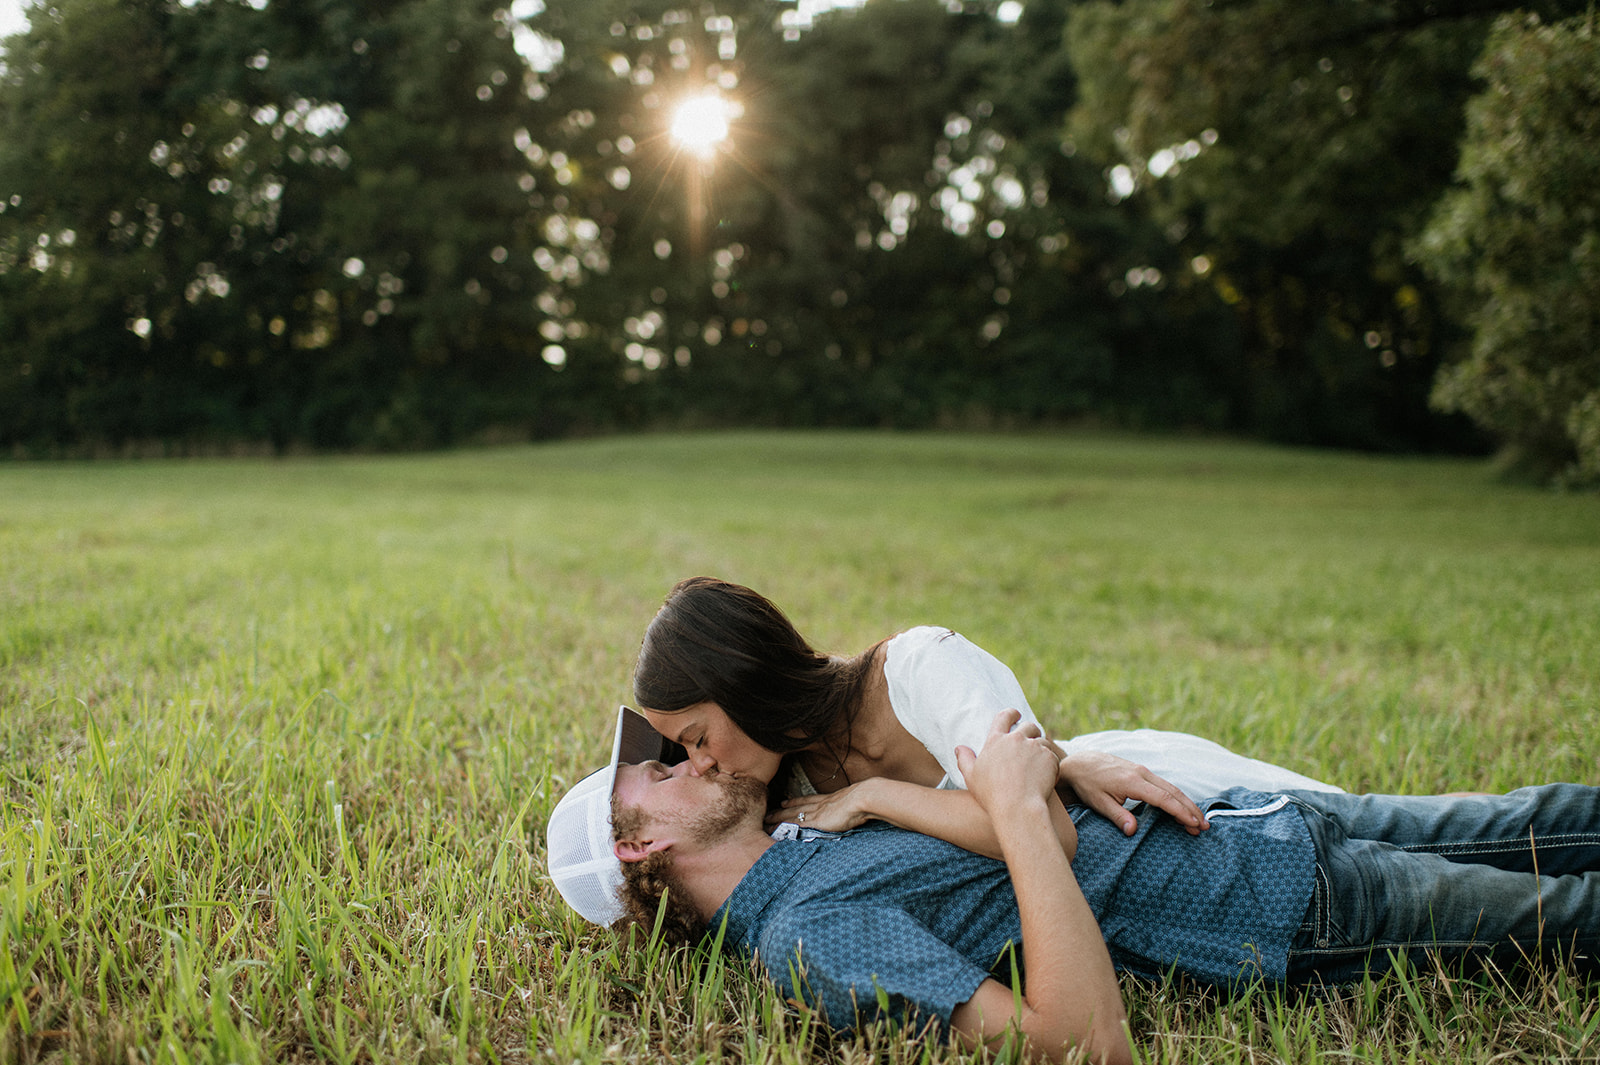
(1069, 995)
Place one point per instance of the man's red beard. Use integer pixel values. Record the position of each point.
(739, 796)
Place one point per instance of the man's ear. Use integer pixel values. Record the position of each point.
(636, 850)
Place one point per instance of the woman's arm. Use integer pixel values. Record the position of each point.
(1100, 781)
(953, 816)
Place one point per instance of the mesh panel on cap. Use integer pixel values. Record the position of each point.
(578, 838)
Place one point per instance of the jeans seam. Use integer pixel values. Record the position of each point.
(1430, 944)
(1323, 916)
(1506, 846)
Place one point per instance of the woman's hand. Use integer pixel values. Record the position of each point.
(1103, 782)
(837, 811)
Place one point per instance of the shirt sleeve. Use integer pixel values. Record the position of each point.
(945, 690)
(855, 963)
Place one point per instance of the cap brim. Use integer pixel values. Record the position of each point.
(637, 741)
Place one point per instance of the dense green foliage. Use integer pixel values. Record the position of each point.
(193, 250)
(1521, 242)
(1293, 149)
(349, 223)
(278, 740)
(381, 225)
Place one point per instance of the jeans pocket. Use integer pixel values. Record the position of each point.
(1321, 894)
(1313, 931)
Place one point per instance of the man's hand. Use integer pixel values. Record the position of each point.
(1017, 765)
(1103, 782)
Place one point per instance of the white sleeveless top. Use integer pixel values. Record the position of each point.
(945, 691)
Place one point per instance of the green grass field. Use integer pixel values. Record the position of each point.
(278, 739)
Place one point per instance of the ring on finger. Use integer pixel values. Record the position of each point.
(801, 819)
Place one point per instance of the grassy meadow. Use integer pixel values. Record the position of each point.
(278, 739)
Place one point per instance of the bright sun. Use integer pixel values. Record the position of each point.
(701, 123)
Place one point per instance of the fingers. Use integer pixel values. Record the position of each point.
(1103, 782)
(1107, 806)
(1004, 722)
(1164, 796)
(791, 811)
(965, 759)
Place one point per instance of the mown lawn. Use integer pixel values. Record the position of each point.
(278, 739)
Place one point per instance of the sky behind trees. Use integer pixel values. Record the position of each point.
(12, 19)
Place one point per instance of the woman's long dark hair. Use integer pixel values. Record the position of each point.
(713, 641)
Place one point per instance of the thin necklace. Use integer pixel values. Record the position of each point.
(838, 768)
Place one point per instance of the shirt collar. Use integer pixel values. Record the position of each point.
(766, 879)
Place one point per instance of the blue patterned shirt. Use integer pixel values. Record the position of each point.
(882, 920)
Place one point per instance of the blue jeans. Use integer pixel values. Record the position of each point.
(1429, 875)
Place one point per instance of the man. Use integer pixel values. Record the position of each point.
(1294, 888)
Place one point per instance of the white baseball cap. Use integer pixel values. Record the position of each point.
(578, 839)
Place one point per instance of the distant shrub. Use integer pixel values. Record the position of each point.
(1518, 240)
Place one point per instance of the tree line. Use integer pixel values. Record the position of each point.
(409, 223)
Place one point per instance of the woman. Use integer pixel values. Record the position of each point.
(843, 740)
